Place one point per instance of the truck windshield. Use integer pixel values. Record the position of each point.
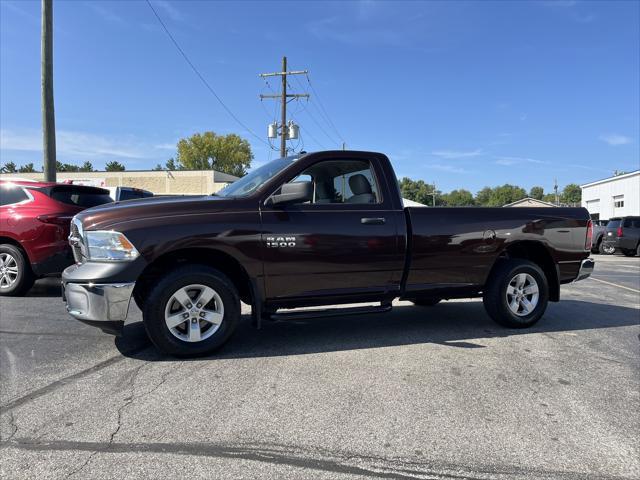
(256, 178)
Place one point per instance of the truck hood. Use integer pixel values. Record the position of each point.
(106, 216)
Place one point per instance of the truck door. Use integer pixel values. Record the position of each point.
(345, 241)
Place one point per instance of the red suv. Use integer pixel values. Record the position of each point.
(34, 226)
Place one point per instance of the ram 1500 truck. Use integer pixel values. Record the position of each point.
(317, 229)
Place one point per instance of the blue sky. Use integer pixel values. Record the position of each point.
(465, 94)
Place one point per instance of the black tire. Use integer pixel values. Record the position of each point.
(426, 301)
(599, 248)
(495, 295)
(160, 295)
(628, 253)
(25, 279)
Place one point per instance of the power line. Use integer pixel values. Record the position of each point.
(331, 139)
(324, 109)
(312, 137)
(321, 128)
(204, 81)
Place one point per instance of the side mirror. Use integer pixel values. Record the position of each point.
(296, 192)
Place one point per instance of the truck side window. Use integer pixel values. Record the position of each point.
(342, 181)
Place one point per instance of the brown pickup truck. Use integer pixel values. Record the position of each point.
(322, 228)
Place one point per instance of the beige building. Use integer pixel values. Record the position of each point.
(181, 182)
(529, 202)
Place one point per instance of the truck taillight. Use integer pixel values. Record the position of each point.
(619, 232)
(588, 242)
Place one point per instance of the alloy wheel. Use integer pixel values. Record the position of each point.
(522, 294)
(194, 313)
(8, 270)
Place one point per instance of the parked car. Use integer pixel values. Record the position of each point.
(599, 229)
(317, 229)
(34, 229)
(127, 193)
(116, 193)
(623, 234)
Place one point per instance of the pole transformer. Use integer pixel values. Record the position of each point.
(48, 113)
(284, 98)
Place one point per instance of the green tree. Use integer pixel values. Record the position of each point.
(549, 197)
(8, 167)
(226, 153)
(484, 196)
(28, 168)
(158, 167)
(66, 167)
(419, 191)
(537, 193)
(114, 166)
(505, 194)
(86, 167)
(171, 165)
(571, 194)
(459, 198)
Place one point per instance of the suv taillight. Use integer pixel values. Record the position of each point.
(619, 232)
(588, 242)
(56, 219)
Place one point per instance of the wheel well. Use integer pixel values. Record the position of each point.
(201, 256)
(537, 253)
(16, 244)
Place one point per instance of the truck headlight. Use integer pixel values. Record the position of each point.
(104, 246)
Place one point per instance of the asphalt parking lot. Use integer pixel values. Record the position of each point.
(420, 392)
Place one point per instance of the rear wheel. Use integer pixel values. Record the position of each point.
(608, 249)
(629, 253)
(16, 277)
(192, 311)
(426, 301)
(517, 294)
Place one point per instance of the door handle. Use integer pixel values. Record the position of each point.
(373, 221)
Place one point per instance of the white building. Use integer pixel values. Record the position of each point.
(613, 197)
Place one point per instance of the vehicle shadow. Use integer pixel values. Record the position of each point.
(452, 324)
(46, 287)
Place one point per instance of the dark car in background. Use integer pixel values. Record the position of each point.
(623, 234)
(34, 227)
(599, 230)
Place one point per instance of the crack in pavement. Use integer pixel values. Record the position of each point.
(33, 395)
(127, 401)
(352, 464)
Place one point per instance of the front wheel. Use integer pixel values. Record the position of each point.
(192, 311)
(517, 294)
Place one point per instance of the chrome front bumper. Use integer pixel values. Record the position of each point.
(103, 305)
(586, 269)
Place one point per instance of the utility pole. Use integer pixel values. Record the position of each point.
(284, 96)
(48, 114)
(434, 194)
(555, 190)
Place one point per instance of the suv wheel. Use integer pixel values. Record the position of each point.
(192, 311)
(629, 253)
(517, 294)
(16, 277)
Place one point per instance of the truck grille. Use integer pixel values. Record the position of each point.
(75, 240)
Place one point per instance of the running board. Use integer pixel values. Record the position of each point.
(330, 312)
